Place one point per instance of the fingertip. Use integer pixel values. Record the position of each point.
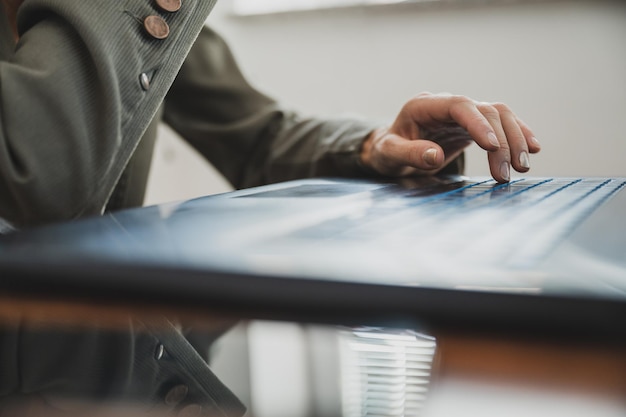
(523, 163)
(505, 172)
(534, 145)
(493, 140)
(488, 142)
(431, 157)
(501, 171)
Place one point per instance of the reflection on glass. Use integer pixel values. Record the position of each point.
(140, 368)
(158, 367)
(385, 371)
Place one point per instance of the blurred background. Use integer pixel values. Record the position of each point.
(560, 64)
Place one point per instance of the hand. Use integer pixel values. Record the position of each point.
(403, 149)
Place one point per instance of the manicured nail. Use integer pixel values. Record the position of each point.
(535, 141)
(505, 171)
(493, 139)
(524, 161)
(430, 156)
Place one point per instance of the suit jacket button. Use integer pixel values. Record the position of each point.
(169, 5)
(144, 80)
(160, 351)
(176, 395)
(193, 410)
(156, 27)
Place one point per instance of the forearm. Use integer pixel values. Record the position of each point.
(301, 148)
(249, 137)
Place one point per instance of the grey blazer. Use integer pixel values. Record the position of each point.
(87, 81)
(81, 94)
(73, 104)
(77, 93)
(80, 97)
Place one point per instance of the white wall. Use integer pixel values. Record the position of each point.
(561, 65)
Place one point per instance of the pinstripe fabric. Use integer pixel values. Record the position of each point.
(72, 109)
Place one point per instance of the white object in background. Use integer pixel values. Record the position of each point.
(254, 7)
(279, 378)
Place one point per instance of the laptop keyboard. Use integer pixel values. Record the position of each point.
(519, 222)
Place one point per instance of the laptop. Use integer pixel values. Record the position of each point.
(537, 254)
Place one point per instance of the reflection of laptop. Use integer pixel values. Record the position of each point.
(539, 254)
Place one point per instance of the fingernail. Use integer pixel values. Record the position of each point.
(535, 141)
(505, 171)
(493, 139)
(524, 161)
(430, 156)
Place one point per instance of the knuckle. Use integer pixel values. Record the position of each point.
(504, 153)
(502, 108)
(459, 104)
(382, 150)
(488, 110)
(477, 120)
(460, 100)
(413, 103)
(388, 152)
(382, 145)
(414, 155)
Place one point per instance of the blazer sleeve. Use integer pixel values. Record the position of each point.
(248, 136)
(76, 95)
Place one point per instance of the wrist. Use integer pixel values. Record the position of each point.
(365, 154)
